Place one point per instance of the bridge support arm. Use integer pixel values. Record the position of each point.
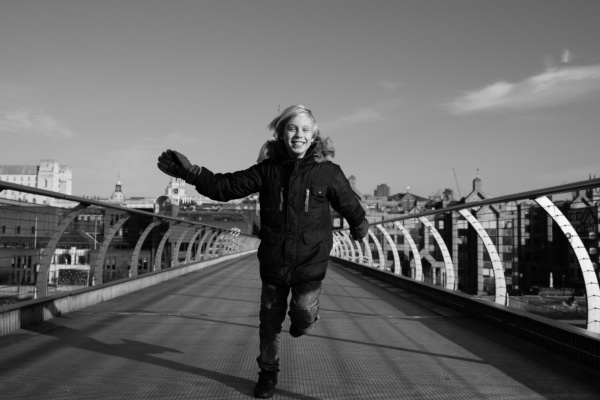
(97, 263)
(413, 247)
(499, 280)
(450, 280)
(587, 269)
(48, 252)
(138, 247)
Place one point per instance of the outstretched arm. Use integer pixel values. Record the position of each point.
(221, 187)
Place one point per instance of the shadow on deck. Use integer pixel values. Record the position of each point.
(196, 337)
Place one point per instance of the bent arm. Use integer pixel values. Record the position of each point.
(345, 201)
(228, 186)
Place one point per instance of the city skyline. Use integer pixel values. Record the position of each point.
(410, 92)
(33, 174)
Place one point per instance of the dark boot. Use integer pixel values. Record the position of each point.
(265, 387)
(294, 332)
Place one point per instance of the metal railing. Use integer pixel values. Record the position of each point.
(63, 243)
(523, 251)
(518, 262)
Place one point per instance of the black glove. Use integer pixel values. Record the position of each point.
(177, 165)
(361, 231)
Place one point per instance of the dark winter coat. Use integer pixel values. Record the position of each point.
(295, 196)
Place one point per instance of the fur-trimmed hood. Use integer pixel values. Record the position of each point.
(322, 150)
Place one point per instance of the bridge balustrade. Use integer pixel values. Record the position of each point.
(526, 263)
(52, 243)
(535, 251)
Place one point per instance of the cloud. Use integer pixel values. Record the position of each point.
(566, 56)
(552, 87)
(359, 117)
(33, 122)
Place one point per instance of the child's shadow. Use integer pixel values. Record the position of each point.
(144, 352)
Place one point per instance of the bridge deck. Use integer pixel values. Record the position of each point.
(196, 337)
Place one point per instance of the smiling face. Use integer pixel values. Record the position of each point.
(298, 135)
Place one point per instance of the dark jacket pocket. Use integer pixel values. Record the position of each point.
(318, 190)
(315, 236)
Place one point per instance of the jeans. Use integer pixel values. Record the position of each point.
(304, 313)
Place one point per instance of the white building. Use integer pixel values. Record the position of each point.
(48, 175)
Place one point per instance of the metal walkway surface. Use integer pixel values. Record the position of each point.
(196, 337)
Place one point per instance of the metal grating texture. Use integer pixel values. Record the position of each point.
(573, 342)
(196, 337)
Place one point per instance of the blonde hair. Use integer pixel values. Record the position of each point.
(281, 120)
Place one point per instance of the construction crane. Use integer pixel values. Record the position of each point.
(457, 186)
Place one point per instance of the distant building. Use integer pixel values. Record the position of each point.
(474, 266)
(47, 175)
(407, 201)
(382, 190)
(26, 228)
(352, 180)
(118, 193)
(242, 214)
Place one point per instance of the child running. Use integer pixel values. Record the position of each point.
(297, 184)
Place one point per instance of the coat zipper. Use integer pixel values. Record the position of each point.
(281, 199)
(306, 201)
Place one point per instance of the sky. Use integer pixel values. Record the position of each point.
(412, 93)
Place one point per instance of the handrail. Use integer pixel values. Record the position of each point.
(478, 240)
(529, 195)
(23, 262)
(92, 202)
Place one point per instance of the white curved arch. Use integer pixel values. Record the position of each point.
(48, 252)
(368, 257)
(356, 254)
(188, 254)
(450, 279)
(342, 250)
(397, 267)
(339, 250)
(499, 280)
(344, 246)
(341, 246)
(217, 249)
(158, 257)
(379, 250)
(199, 255)
(587, 269)
(351, 245)
(335, 249)
(234, 242)
(177, 246)
(413, 247)
(352, 251)
(210, 245)
(97, 260)
(138, 248)
(226, 242)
